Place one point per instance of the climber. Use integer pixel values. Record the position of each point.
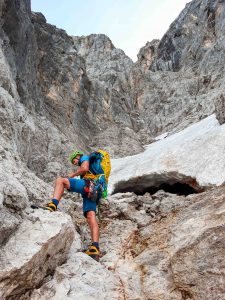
(81, 186)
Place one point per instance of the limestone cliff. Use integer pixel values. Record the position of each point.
(58, 93)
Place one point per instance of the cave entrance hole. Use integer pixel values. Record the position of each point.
(141, 185)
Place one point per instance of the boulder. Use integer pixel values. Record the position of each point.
(80, 278)
(38, 246)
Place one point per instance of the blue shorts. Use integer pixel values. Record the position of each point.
(77, 186)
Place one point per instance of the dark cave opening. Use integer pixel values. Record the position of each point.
(181, 189)
(178, 188)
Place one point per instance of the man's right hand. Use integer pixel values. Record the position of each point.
(70, 175)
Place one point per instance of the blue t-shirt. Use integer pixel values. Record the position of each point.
(94, 167)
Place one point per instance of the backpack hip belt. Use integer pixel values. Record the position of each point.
(92, 176)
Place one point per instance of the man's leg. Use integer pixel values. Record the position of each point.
(60, 185)
(89, 208)
(93, 225)
(93, 249)
(73, 185)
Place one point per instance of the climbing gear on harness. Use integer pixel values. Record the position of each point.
(89, 189)
(93, 252)
(93, 189)
(74, 155)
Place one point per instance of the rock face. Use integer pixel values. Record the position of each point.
(147, 54)
(192, 38)
(103, 61)
(84, 92)
(38, 246)
(80, 278)
(165, 258)
(192, 49)
(58, 93)
(162, 246)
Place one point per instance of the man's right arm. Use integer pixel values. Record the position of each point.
(81, 170)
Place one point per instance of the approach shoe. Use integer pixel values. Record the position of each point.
(51, 206)
(93, 252)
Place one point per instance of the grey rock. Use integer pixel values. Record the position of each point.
(147, 54)
(103, 61)
(15, 196)
(81, 277)
(191, 37)
(34, 251)
(8, 225)
(58, 93)
(220, 108)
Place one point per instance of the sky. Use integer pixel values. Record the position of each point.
(130, 24)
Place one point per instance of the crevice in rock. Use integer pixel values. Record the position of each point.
(173, 183)
(186, 295)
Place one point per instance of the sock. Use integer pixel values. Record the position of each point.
(55, 201)
(96, 244)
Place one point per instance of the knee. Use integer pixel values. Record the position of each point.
(91, 217)
(62, 181)
(59, 180)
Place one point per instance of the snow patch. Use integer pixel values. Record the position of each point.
(196, 152)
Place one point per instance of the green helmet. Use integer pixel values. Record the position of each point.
(74, 155)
